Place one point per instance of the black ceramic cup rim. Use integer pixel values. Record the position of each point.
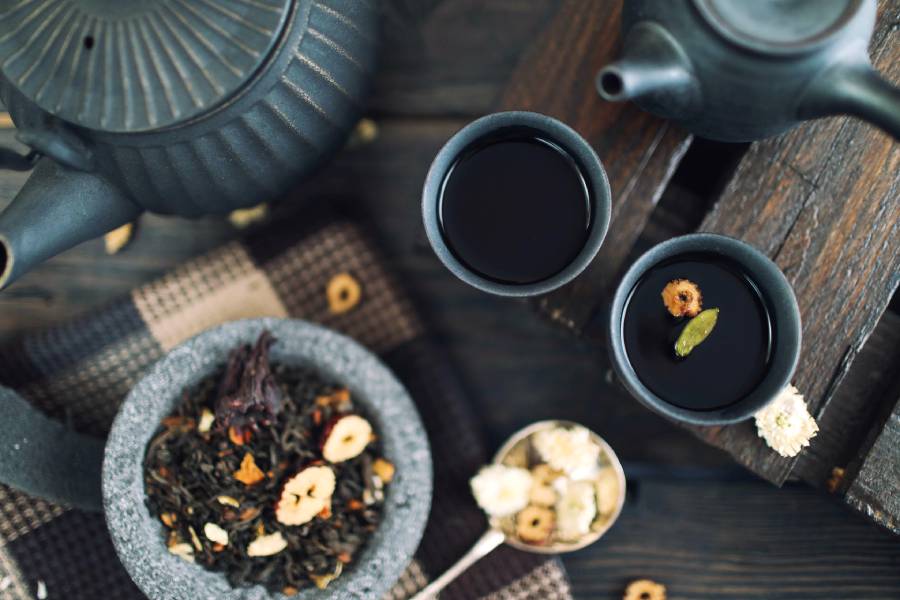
(571, 142)
(784, 312)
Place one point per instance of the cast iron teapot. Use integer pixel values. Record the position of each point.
(742, 70)
(172, 106)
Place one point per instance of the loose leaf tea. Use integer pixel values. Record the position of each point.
(252, 494)
(697, 330)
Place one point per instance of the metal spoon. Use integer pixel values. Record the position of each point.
(494, 536)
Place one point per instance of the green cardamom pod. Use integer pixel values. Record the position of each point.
(696, 330)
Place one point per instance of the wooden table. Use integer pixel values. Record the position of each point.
(821, 200)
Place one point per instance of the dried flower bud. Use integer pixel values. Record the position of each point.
(785, 423)
(682, 298)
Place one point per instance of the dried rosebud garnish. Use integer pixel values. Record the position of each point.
(248, 393)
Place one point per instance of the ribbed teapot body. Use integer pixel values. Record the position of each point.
(288, 117)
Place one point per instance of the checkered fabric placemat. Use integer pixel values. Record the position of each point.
(81, 371)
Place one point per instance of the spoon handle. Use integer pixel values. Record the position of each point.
(487, 542)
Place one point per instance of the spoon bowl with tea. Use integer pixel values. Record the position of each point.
(596, 468)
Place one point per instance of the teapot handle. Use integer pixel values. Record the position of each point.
(858, 90)
(42, 457)
(13, 161)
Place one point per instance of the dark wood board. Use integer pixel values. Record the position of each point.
(445, 62)
(859, 404)
(875, 490)
(640, 152)
(451, 58)
(713, 540)
(822, 202)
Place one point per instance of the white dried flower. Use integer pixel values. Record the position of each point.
(215, 534)
(576, 510)
(785, 423)
(567, 450)
(267, 545)
(501, 490)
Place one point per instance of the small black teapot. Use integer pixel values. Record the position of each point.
(173, 106)
(742, 70)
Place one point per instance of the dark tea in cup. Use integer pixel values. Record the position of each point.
(516, 204)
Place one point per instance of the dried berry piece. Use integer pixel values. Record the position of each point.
(645, 589)
(305, 495)
(249, 473)
(343, 293)
(696, 331)
(534, 524)
(682, 298)
(345, 438)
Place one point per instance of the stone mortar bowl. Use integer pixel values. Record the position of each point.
(138, 537)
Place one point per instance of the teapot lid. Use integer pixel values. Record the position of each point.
(778, 26)
(135, 65)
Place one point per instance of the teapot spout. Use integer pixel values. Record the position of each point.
(654, 71)
(56, 209)
(855, 89)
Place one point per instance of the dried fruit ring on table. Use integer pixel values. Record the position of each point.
(645, 589)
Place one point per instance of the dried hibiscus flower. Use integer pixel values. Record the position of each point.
(248, 394)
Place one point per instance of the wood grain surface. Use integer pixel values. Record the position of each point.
(640, 152)
(739, 541)
(875, 490)
(822, 201)
(693, 520)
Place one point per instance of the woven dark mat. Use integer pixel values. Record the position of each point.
(81, 371)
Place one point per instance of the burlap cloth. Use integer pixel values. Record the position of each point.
(81, 371)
